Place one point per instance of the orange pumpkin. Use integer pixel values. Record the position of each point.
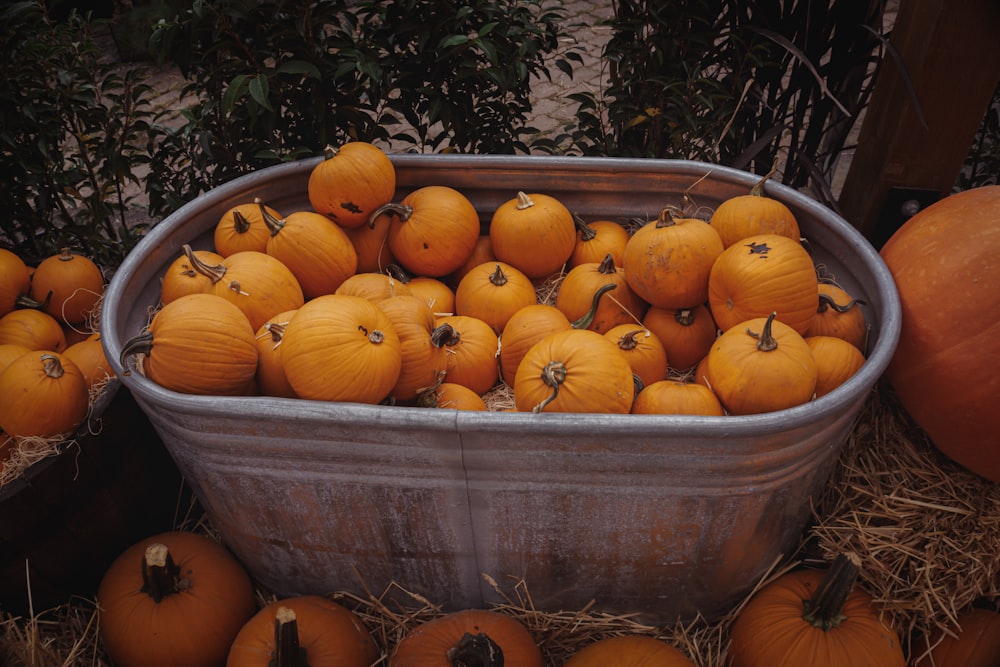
(472, 352)
(974, 641)
(351, 182)
(371, 244)
(34, 329)
(598, 239)
(533, 232)
(69, 286)
(45, 395)
(421, 345)
(482, 252)
(15, 281)
(672, 397)
(642, 349)
(373, 286)
(88, 355)
(687, 334)
(9, 352)
(176, 598)
(577, 370)
(761, 274)
(836, 361)
(839, 315)
(198, 344)
(242, 228)
(451, 396)
(257, 283)
(181, 278)
(467, 637)
(582, 294)
(435, 293)
(667, 261)
(525, 328)
(493, 292)
(812, 617)
(306, 629)
(318, 252)
(270, 376)
(752, 214)
(761, 365)
(628, 651)
(434, 230)
(341, 348)
(943, 261)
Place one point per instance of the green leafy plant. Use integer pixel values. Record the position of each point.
(73, 138)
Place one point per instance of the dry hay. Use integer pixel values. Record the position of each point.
(927, 530)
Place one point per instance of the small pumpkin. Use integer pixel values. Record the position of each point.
(176, 598)
(616, 304)
(533, 232)
(974, 641)
(434, 292)
(89, 357)
(598, 239)
(482, 252)
(373, 286)
(839, 315)
(751, 214)
(472, 352)
(451, 396)
(303, 630)
(467, 637)
(371, 245)
(45, 395)
(33, 329)
(628, 651)
(421, 345)
(15, 281)
(68, 286)
(673, 397)
(667, 261)
(434, 230)
(341, 348)
(687, 334)
(351, 182)
(836, 361)
(270, 375)
(317, 251)
(761, 365)
(761, 274)
(577, 370)
(181, 278)
(642, 349)
(813, 617)
(242, 228)
(493, 292)
(525, 328)
(197, 344)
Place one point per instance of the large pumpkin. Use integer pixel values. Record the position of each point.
(534, 232)
(351, 182)
(44, 394)
(68, 285)
(944, 263)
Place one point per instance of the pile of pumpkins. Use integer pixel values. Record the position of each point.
(180, 598)
(364, 299)
(50, 355)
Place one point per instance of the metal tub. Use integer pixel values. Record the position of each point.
(663, 516)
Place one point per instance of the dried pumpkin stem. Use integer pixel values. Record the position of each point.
(765, 339)
(630, 340)
(554, 374)
(684, 317)
(824, 609)
(51, 366)
(524, 201)
(498, 277)
(403, 211)
(758, 188)
(589, 316)
(160, 575)
(826, 302)
(587, 232)
(272, 223)
(666, 218)
(240, 223)
(140, 344)
(288, 651)
(607, 265)
(215, 272)
(476, 651)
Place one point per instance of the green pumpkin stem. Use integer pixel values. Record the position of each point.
(554, 374)
(288, 651)
(588, 317)
(476, 651)
(765, 339)
(160, 574)
(825, 609)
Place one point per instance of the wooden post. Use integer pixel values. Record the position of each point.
(951, 52)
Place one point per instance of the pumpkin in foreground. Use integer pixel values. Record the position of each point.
(975, 642)
(176, 599)
(944, 263)
(628, 651)
(469, 637)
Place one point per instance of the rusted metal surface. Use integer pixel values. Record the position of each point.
(659, 515)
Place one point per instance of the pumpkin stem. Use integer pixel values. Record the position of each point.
(272, 223)
(51, 366)
(396, 272)
(554, 374)
(475, 651)
(25, 301)
(276, 330)
(240, 223)
(826, 302)
(215, 272)
(666, 218)
(588, 317)
(824, 609)
(765, 339)
(288, 651)
(630, 341)
(65, 255)
(607, 266)
(330, 151)
(404, 212)
(524, 201)
(498, 278)
(160, 575)
(684, 317)
(587, 232)
(141, 344)
(758, 188)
